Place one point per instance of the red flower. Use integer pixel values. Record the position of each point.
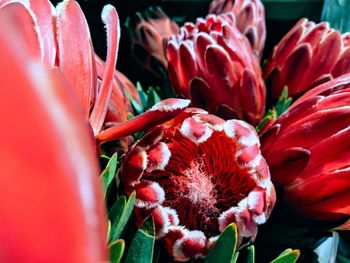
(249, 18)
(60, 38)
(149, 34)
(212, 63)
(51, 205)
(307, 150)
(195, 175)
(307, 56)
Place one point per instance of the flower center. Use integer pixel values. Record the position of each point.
(202, 180)
(198, 187)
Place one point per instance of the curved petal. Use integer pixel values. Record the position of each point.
(75, 52)
(51, 205)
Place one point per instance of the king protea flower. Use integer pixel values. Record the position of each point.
(249, 18)
(212, 63)
(307, 150)
(195, 175)
(149, 32)
(51, 204)
(307, 56)
(60, 38)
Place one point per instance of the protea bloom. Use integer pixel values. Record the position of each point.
(307, 150)
(60, 38)
(212, 63)
(51, 204)
(249, 18)
(149, 32)
(307, 56)
(195, 175)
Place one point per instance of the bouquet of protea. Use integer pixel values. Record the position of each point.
(96, 168)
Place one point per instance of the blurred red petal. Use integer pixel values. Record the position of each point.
(51, 205)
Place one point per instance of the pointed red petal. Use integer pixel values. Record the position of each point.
(293, 71)
(75, 52)
(325, 57)
(25, 26)
(111, 20)
(343, 64)
(44, 13)
(160, 113)
(287, 164)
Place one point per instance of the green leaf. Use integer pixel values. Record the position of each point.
(137, 106)
(235, 257)
(103, 156)
(121, 212)
(117, 209)
(251, 254)
(142, 246)
(153, 97)
(116, 250)
(225, 246)
(108, 230)
(283, 102)
(108, 173)
(287, 256)
(142, 94)
(336, 12)
(270, 115)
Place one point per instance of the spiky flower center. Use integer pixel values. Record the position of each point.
(202, 180)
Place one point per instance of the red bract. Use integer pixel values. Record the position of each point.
(307, 150)
(309, 55)
(195, 175)
(148, 36)
(61, 38)
(249, 18)
(51, 204)
(212, 63)
(122, 88)
(161, 112)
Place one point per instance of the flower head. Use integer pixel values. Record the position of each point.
(307, 150)
(195, 175)
(308, 55)
(149, 32)
(249, 18)
(212, 63)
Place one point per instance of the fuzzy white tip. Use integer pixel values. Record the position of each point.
(188, 132)
(165, 153)
(158, 191)
(173, 216)
(61, 6)
(107, 13)
(171, 105)
(250, 140)
(229, 128)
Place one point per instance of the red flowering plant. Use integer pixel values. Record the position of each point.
(205, 177)
(195, 175)
(212, 63)
(309, 143)
(148, 33)
(308, 55)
